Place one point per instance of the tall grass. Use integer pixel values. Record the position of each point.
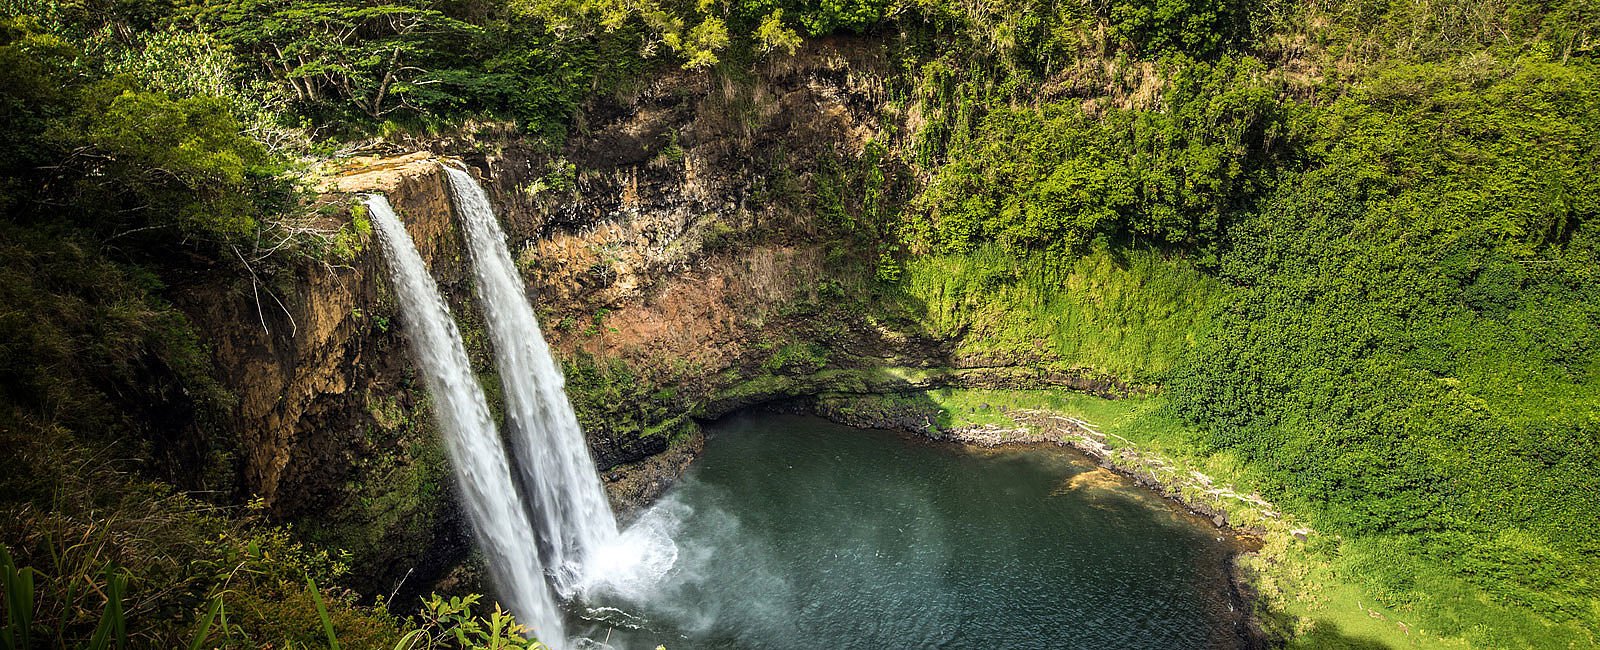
(1132, 315)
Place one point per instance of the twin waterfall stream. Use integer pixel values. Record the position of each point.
(543, 521)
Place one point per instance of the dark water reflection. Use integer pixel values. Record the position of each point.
(793, 532)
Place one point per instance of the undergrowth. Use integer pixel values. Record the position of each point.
(97, 557)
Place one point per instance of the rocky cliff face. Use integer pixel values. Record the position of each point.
(666, 241)
(681, 266)
(680, 242)
(333, 425)
(635, 239)
(304, 378)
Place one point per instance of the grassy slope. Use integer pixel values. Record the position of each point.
(1131, 314)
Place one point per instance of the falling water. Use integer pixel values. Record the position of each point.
(481, 468)
(575, 522)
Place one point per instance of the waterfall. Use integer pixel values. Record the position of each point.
(574, 519)
(482, 470)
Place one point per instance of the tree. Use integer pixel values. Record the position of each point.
(377, 58)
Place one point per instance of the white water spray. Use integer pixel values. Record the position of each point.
(481, 468)
(570, 509)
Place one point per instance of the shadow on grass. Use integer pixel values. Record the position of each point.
(1328, 636)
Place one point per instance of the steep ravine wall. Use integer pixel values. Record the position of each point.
(675, 237)
(678, 269)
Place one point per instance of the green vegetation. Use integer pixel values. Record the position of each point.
(1056, 177)
(1134, 317)
(797, 359)
(1351, 247)
(103, 558)
(1396, 342)
(1409, 362)
(606, 395)
(398, 491)
(86, 344)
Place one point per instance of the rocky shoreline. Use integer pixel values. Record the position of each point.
(632, 487)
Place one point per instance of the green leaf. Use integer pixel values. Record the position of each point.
(322, 612)
(204, 629)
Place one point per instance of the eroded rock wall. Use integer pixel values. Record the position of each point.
(673, 234)
(654, 240)
(679, 265)
(333, 426)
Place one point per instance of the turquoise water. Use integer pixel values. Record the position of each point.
(792, 532)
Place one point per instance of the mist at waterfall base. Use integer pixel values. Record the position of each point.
(792, 532)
